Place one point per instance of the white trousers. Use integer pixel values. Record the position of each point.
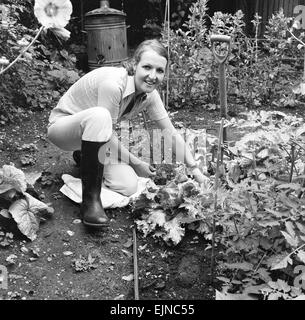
(93, 124)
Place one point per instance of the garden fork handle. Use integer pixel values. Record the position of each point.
(221, 58)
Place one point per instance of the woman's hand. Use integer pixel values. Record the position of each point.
(144, 169)
(200, 178)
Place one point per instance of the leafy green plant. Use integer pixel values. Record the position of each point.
(19, 206)
(83, 264)
(259, 213)
(260, 72)
(27, 85)
(190, 58)
(267, 71)
(156, 10)
(262, 216)
(166, 209)
(6, 238)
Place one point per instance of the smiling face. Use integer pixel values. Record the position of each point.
(149, 71)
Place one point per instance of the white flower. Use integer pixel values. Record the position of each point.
(62, 33)
(53, 13)
(4, 61)
(296, 25)
(23, 42)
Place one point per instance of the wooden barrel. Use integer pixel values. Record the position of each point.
(107, 37)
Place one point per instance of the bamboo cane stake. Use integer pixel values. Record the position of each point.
(150, 137)
(167, 19)
(82, 19)
(135, 265)
(165, 14)
(168, 52)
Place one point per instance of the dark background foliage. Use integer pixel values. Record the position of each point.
(38, 80)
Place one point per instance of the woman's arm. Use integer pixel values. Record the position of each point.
(180, 147)
(120, 153)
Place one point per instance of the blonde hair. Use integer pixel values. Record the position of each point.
(152, 44)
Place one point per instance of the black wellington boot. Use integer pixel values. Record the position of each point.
(92, 211)
(77, 157)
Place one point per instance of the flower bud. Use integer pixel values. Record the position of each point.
(61, 32)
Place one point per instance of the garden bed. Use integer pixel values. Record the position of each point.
(56, 265)
(241, 237)
(67, 262)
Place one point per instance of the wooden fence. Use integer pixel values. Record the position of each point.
(265, 8)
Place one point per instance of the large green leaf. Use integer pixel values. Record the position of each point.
(174, 231)
(26, 220)
(12, 178)
(26, 212)
(280, 261)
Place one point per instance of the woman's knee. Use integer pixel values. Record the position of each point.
(130, 187)
(62, 138)
(97, 124)
(128, 184)
(121, 178)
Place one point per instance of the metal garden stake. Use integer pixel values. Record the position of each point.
(221, 47)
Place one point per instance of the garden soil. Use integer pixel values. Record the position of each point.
(68, 262)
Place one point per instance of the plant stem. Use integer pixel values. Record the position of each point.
(255, 171)
(235, 225)
(294, 141)
(256, 40)
(292, 162)
(304, 68)
(23, 51)
(260, 262)
(303, 185)
(301, 42)
(294, 251)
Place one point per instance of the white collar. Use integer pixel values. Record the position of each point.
(130, 87)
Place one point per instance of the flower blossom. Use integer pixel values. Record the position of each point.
(296, 25)
(62, 33)
(4, 61)
(23, 42)
(53, 13)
